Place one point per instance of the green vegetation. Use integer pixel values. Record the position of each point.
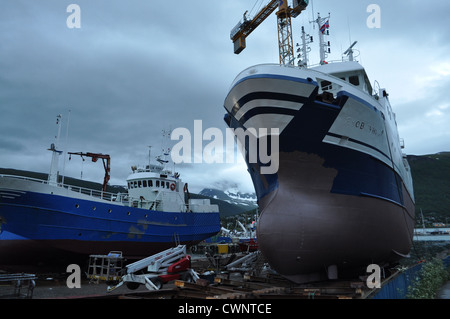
(431, 178)
(230, 221)
(429, 280)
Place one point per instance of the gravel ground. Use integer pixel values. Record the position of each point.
(57, 289)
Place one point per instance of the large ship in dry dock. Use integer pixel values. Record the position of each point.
(46, 221)
(342, 197)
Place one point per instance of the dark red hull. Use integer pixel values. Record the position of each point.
(23, 254)
(304, 228)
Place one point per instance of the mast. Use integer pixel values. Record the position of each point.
(324, 25)
(149, 156)
(304, 49)
(53, 174)
(162, 159)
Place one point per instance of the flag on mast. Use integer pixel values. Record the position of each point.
(325, 26)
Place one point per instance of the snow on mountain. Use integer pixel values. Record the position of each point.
(236, 194)
(232, 196)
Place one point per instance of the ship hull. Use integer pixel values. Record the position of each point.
(304, 228)
(338, 198)
(41, 223)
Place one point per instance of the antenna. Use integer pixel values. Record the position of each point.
(349, 31)
(65, 149)
(149, 156)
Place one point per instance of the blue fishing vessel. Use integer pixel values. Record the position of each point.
(337, 194)
(44, 220)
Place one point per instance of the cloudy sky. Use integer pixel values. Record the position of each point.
(135, 68)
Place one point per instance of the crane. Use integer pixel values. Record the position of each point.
(285, 43)
(106, 159)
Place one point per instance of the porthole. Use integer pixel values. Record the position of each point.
(109, 210)
(77, 206)
(128, 213)
(145, 215)
(94, 208)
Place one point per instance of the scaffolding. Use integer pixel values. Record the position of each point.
(17, 286)
(108, 268)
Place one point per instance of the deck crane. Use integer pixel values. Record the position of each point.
(106, 159)
(285, 43)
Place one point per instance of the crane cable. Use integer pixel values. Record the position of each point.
(259, 8)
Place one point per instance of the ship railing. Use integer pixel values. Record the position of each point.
(91, 192)
(24, 178)
(123, 198)
(77, 189)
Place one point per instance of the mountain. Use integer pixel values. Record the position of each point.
(431, 179)
(240, 202)
(232, 196)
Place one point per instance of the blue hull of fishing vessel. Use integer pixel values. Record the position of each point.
(45, 221)
(37, 226)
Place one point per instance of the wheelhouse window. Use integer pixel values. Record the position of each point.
(326, 85)
(144, 183)
(354, 79)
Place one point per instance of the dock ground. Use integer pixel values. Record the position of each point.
(55, 289)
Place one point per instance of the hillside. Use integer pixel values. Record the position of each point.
(431, 178)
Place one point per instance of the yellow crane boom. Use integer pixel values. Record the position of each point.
(243, 29)
(285, 43)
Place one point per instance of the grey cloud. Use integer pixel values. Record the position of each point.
(135, 68)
